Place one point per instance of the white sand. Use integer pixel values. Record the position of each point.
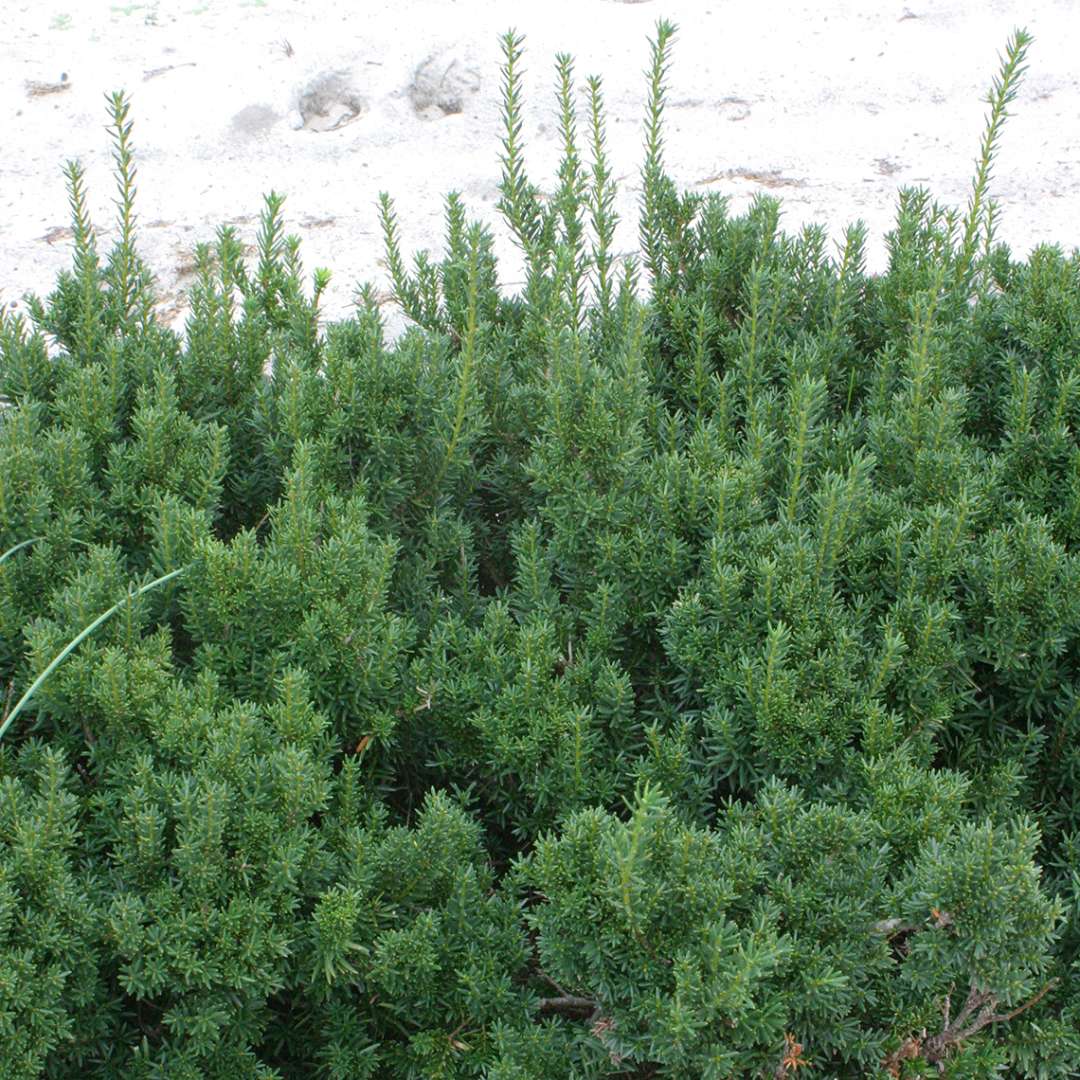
(831, 106)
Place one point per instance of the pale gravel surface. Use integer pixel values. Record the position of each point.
(830, 105)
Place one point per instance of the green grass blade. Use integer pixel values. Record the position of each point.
(75, 642)
(34, 540)
(11, 550)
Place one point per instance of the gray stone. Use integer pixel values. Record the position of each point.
(330, 101)
(442, 85)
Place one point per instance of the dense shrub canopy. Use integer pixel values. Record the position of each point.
(583, 685)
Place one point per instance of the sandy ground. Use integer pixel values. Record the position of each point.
(830, 105)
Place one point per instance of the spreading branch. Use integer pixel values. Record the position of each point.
(978, 1012)
(566, 1003)
(569, 1004)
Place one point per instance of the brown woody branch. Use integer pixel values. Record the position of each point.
(583, 1008)
(569, 1004)
(978, 1012)
(566, 1003)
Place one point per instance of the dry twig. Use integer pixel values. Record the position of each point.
(979, 1011)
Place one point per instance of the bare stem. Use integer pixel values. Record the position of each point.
(569, 1003)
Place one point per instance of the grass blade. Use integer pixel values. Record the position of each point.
(75, 642)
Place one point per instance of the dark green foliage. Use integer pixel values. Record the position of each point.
(581, 686)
